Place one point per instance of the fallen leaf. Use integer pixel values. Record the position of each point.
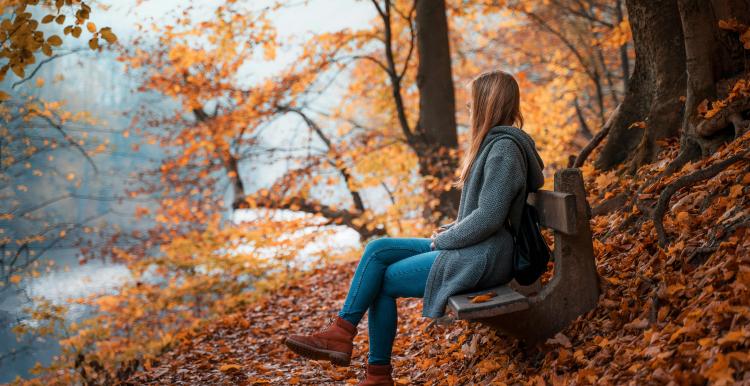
(560, 339)
(482, 297)
(230, 368)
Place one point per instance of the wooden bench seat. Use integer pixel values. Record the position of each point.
(506, 300)
(534, 313)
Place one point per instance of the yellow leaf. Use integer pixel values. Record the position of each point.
(54, 40)
(76, 31)
(94, 43)
(107, 303)
(91, 27)
(48, 19)
(18, 70)
(108, 35)
(15, 279)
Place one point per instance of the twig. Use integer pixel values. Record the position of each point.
(43, 62)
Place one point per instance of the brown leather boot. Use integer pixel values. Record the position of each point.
(333, 343)
(378, 375)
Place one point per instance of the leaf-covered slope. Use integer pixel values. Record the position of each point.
(681, 313)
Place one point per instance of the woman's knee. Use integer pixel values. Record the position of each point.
(373, 246)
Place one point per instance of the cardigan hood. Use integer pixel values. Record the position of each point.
(534, 163)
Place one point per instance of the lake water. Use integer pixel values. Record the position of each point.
(57, 286)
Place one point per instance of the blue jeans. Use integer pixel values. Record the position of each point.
(390, 267)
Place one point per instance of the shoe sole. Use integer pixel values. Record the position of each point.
(336, 357)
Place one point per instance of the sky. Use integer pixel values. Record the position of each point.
(312, 16)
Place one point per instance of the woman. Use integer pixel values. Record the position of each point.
(473, 252)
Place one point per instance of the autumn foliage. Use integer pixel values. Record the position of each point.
(211, 297)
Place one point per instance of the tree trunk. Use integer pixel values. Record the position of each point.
(436, 128)
(654, 90)
(680, 51)
(715, 57)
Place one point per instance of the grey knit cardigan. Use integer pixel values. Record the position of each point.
(476, 249)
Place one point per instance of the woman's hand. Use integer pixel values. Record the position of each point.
(432, 237)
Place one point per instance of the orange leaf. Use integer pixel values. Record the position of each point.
(720, 372)
(483, 297)
(230, 368)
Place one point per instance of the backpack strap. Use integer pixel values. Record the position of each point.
(516, 215)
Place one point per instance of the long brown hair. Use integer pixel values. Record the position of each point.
(495, 101)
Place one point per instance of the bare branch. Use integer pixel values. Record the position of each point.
(71, 141)
(43, 62)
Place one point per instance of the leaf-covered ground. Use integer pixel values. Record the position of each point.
(677, 315)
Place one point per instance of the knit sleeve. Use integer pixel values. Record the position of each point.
(447, 226)
(503, 180)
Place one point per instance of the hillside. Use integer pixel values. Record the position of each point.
(678, 315)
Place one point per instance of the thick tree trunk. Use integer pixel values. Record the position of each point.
(653, 93)
(436, 129)
(680, 50)
(715, 57)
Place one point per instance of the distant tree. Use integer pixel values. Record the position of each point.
(33, 132)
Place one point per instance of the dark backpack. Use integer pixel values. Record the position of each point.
(530, 251)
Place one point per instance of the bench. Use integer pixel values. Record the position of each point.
(535, 313)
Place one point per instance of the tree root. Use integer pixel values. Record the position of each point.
(610, 205)
(741, 125)
(729, 115)
(687, 180)
(597, 138)
(690, 149)
(713, 246)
